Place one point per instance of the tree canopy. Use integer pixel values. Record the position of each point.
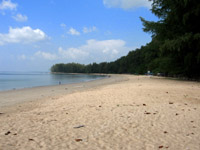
(178, 34)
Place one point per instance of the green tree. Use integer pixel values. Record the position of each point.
(178, 34)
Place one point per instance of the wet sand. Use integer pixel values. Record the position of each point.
(121, 112)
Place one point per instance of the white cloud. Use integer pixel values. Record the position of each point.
(7, 4)
(92, 51)
(73, 31)
(127, 4)
(22, 35)
(95, 51)
(88, 30)
(20, 18)
(72, 53)
(46, 55)
(106, 46)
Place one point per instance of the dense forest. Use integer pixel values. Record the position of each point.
(173, 51)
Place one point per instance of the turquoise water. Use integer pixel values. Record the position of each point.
(19, 80)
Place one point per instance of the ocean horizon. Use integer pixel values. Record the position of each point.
(12, 80)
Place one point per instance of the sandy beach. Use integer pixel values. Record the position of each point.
(124, 112)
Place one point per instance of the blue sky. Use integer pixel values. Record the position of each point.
(35, 34)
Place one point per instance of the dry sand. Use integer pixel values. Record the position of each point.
(123, 112)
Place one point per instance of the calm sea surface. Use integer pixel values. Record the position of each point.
(19, 80)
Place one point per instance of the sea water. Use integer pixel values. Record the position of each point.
(19, 80)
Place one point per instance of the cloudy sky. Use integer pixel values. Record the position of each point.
(35, 34)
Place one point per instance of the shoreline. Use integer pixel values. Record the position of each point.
(121, 112)
(102, 76)
(14, 98)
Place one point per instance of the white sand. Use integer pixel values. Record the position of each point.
(141, 113)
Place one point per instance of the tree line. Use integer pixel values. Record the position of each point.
(173, 51)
